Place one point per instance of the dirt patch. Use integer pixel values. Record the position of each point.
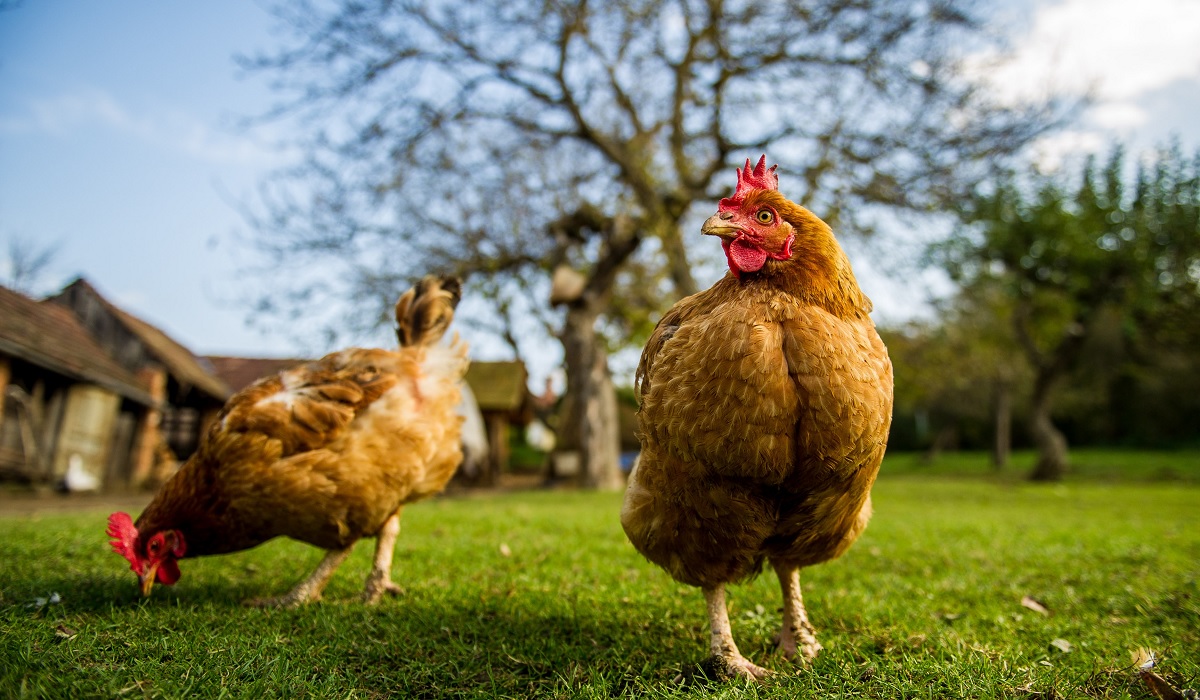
(31, 504)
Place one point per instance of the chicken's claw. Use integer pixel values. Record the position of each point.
(377, 585)
(723, 668)
(799, 644)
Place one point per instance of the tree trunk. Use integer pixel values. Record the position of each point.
(1002, 424)
(1052, 461)
(678, 266)
(589, 425)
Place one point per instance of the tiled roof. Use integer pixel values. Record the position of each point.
(49, 336)
(241, 372)
(179, 361)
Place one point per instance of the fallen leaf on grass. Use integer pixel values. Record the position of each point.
(63, 632)
(1034, 605)
(1145, 660)
(504, 550)
(1062, 645)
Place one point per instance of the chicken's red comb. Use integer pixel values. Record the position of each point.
(760, 178)
(124, 534)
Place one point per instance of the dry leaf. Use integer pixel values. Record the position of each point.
(504, 550)
(64, 632)
(1160, 687)
(1034, 605)
(1062, 645)
(1145, 660)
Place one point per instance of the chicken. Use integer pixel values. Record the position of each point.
(325, 453)
(765, 407)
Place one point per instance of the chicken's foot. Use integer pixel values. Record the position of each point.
(726, 660)
(309, 589)
(379, 581)
(797, 638)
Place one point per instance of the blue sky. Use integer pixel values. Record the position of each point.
(118, 143)
(118, 140)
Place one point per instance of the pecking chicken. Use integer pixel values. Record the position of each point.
(765, 407)
(325, 453)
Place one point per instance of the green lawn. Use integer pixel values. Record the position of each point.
(927, 604)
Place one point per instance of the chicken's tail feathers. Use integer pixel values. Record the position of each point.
(424, 312)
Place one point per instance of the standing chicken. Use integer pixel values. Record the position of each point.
(325, 453)
(765, 407)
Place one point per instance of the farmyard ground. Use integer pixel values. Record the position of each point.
(538, 594)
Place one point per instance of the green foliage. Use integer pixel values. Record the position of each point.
(1063, 254)
(1097, 278)
(927, 604)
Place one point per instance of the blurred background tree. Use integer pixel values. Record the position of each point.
(1102, 281)
(515, 142)
(27, 264)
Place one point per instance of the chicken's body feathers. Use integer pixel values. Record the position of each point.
(765, 404)
(326, 452)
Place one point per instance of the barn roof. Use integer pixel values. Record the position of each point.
(241, 372)
(50, 336)
(499, 386)
(179, 361)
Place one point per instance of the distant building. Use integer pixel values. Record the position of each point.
(505, 401)
(92, 391)
(240, 372)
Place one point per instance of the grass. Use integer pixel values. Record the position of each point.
(926, 605)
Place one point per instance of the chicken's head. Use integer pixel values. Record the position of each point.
(750, 223)
(151, 558)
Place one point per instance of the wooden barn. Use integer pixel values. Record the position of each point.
(66, 407)
(186, 394)
(94, 397)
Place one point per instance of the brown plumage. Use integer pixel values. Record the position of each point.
(765, 407)
(325, 453)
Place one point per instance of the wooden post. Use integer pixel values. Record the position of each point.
(149, 432)
(5, 374)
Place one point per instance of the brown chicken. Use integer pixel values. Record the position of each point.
(765, 407)
(325, 453)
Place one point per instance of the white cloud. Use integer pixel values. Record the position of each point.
(175, 130)
(1053, 152)
(1118, 116)
(1117, 50)
(1119, 54)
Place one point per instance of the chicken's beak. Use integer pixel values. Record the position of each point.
(147, 579)
(719, 225)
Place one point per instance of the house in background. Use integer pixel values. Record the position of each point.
(65, 404)
(92, 391)
(504, 400)
(240, 372)
(187, 394)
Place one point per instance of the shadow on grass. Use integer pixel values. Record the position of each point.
(462, 644)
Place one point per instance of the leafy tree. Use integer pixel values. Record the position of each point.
(1074, 260)
(962, 368)
(510, 141)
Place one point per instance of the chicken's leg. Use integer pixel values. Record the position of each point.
(727, 660)
(310, 588)
(379, 581)
(797, 635)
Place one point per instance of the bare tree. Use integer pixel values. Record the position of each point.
(505, 140)
(27, 263)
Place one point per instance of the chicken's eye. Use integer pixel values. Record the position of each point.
(765, 216)
(154, 545)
